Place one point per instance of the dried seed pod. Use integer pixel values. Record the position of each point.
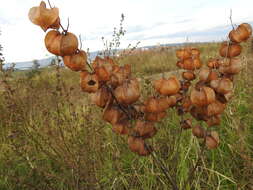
(188, 75)
(103, 68)
(186, 124)
(231, 66)
(89, 82)
(180, 64)
(215, 108)
(155, 117)
(101, 97)
(45, 18)
(203, 96)
(61, 44)
(168, 86)
(222, 86)
(212, 140)
(156, 105)
(198, 131)
(192, 64)
(199, 113)
(214, 120)
(195, 53)
(213, 63)
(207, 75)
(77, 61)
(128, 92)
(230, 49)
(119, 74)
(241, 33)
(145, 129)
(184, 53)
(121, 127)
(185, 85)
(113, 114)
(137, 145)
(186, 104)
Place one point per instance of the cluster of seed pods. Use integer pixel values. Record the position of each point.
(208, 98)
(117, 92)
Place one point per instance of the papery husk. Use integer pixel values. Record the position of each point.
(89, 82)
(168, 86)
(231, 66)
(61, 44)
(155, 117)
(230, 50)
(202, 97)
(113, 114)
(128, 92)
(241, 33)
(76, 62)
(145, 129)
(137, 145)
(101, 97)
(188, 75)
(198, 131)
(45, 18)
(212, 140)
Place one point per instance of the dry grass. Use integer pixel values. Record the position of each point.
(52, 137)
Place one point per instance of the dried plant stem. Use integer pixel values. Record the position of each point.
(162, 167)
(194, 168)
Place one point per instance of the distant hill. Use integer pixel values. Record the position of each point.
(26, 65)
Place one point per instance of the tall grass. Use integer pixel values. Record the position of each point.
(52, 137)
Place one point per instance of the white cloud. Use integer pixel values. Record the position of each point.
(92, 19)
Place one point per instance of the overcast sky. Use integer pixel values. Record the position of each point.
(148, 21)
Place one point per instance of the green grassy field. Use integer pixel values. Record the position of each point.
(52, 137)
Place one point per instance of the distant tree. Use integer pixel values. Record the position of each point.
(36, 64)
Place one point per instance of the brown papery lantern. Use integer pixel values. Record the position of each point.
(202, 96)
(213, 63)
(214, 120)
(222, 85)
(231, 66)
(230, 50)
(212, 140)
(195, 53)
(198, 131)
(145, 129)
(61, 44)
(184, 53)
(155, 117)
(168, 86)
(188, 75)
(119, 74)
(121, 127)
(207, 75)
(137, 145)
(45, 18)
(241, 33)
(113, 114)
(186, 124)
(128, 92)
(89, 82)
(101, 97)
(215, 108)
(76, 62)
(103, 68)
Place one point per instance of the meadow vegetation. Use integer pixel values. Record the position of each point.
(52, 137)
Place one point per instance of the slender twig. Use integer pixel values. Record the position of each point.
(67, 26)
(194, 168)
(230, 18)
(80, 39)
(162, 167)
